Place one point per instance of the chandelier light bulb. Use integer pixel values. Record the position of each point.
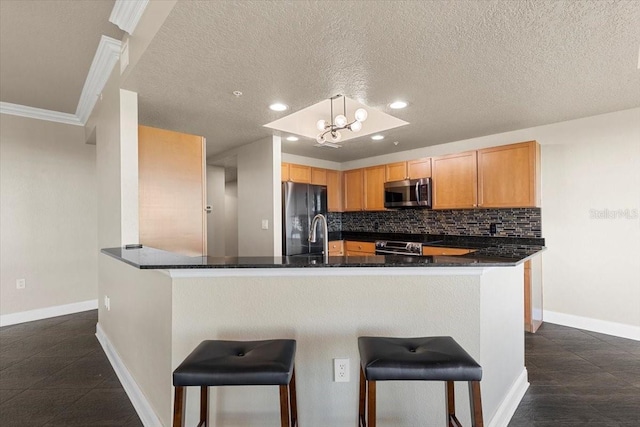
(340, 121)
(356, 126)
(321, 139)
(361, 114)
(321, 124)
(335, 136)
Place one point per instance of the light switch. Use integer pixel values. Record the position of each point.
(265, 224)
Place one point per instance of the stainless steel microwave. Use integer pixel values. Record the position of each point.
(408, 193)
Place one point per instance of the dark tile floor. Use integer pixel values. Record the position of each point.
(580, 378)
(53, 372)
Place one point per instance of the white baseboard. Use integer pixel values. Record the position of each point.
(594, 325)
(137, 398)
(511, 401)
(45, 313)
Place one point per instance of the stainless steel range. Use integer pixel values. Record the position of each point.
(385, 247)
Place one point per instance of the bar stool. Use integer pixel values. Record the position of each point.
(417, 359)
(231, 363)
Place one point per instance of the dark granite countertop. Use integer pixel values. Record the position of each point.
(150, 258)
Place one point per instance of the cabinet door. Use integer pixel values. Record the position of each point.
(508, 176)
(434, 250)
(318, 176)
(336, 248)
(419, 168)
(353, 190)
(374, 188)
(284, 177)
(360, 248)
(300, 173)
(396, 171)
(334, 191)
(172, 186)
(455, 183)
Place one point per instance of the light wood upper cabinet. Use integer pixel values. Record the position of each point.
(284, 174)
(396, 171)
(318, 176)
(455, 181)
(509, 176)
(413, 169)
(353, 190)
(374, 188)
(334, 191)
(300, 173)
(419, 168)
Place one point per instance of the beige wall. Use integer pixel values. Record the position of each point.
(231, 218)
(259, 198)
(47, 215)
(216, 235)
(138, 326)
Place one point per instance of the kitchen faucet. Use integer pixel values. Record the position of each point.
(312, 235)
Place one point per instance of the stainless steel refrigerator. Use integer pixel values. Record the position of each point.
(300, 203)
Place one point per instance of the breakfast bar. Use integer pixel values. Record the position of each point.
(162, 305)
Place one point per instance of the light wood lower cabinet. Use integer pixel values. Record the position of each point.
(355, 248)
(435, 250)
(336, 248)
(533, 294)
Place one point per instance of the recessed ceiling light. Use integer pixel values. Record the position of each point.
(292, 138)
(398, 105)
(278, 106)
(377, 137)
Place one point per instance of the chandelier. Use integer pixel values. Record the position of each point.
(331, 130)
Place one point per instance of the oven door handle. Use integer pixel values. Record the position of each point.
(418, 192)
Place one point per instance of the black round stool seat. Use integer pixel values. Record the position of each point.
(237, 363)
(417, 359)
(220, 363)
(420, 359)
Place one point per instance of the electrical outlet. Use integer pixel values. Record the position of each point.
(107, 303)
(21, 284)
(341, 370)
(265, 224)
(493, 228)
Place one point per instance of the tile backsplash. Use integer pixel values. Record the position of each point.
(513, 222)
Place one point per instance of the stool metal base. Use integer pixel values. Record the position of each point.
(367, 403)
(288, 405)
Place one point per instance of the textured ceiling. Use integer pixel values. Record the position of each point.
(46, 49)
(466, 68)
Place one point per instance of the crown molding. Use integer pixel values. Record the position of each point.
(127, 13)
(39, 113)
(104, 60)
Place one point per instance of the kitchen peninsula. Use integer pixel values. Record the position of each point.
(162, 305)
